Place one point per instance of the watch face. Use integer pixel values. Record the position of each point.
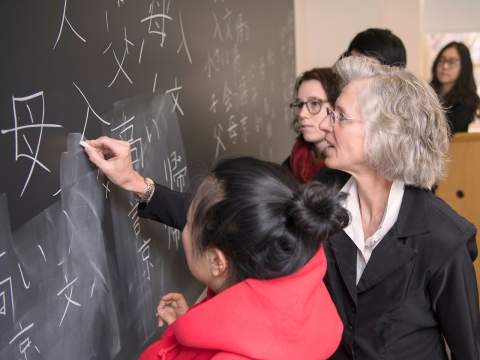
(149, 181)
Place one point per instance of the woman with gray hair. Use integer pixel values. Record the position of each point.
(401, 273)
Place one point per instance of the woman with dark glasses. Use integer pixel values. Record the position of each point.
(314, 91)
(452, 78)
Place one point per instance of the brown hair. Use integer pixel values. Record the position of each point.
(329, 83)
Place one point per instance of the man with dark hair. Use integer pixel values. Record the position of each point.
(380, 44)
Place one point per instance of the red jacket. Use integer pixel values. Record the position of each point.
(292, 317)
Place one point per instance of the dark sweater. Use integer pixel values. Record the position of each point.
(459, 116)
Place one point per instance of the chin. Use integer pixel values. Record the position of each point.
(312, 140)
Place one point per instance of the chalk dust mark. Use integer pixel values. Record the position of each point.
(217, 28)
(86, 121)
(31, 126)
(67, 286)
(64, 18)
(107, 190)
(11, 297)
(132, 211)
(156, 126)
(149, 137)
(126, 40)
(21, 332)
(156, 16)
(71, 222)
(29, 147)
(141, 50)
(175, 98)
(145, 243)
(90, 107)
(126, 122)
(107, 48)
(120, 67)
(23, 278)
(42, 253)
(30, 112)
(184, 42)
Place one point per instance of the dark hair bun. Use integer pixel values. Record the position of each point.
(317, 213)
(266, 223)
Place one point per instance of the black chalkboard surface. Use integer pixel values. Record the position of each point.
(184, 82)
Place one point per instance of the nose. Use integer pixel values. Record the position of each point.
(303, 111)
(326, 124)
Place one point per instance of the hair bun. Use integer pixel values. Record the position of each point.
(316, 211)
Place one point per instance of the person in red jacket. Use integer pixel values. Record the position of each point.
(253, 235)
(314, 91)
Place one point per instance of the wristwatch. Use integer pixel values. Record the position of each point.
(146, 196)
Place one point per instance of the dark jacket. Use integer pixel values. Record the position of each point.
(459, 117)
(418, 283)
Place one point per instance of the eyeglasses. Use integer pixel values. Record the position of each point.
(452, 62)
(313, 106)
(339, 117)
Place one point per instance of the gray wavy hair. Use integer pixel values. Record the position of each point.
(406, 130)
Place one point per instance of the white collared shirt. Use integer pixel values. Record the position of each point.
(355, 229)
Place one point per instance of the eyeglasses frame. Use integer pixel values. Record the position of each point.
(333, 116)
(300, 104)
(449, 61)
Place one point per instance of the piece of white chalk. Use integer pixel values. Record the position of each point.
(84, 144)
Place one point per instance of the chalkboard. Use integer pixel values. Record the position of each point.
(184, 82)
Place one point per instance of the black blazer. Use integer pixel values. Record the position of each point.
(418, 283)
(459, 117)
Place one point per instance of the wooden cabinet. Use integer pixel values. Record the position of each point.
(461, 188)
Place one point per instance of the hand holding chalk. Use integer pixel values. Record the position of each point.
(84, 144)
(119, 167)
(170, 308)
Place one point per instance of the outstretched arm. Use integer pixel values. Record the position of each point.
(113, 157)
(118, 165)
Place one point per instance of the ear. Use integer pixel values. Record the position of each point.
(218, 262)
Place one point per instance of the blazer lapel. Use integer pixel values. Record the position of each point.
(345, 256)
(391, 254)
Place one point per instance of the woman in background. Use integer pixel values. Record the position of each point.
(314, 91)
(452, 78)
(253, 236)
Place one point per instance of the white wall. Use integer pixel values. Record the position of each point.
(443, 16)
(324, 28)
